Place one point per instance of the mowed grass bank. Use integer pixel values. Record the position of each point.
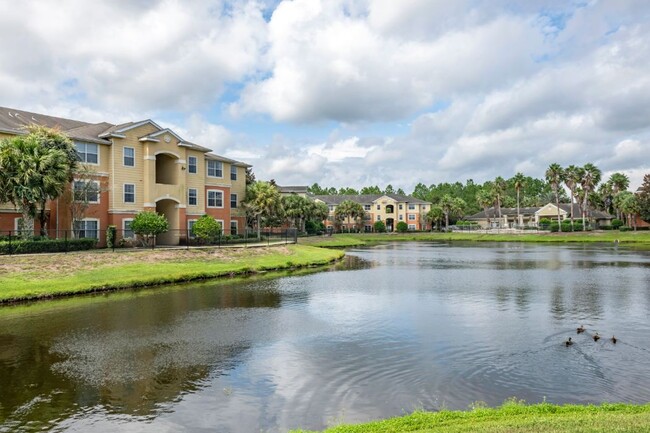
(50, 275)
(514, 417)
(640, 238)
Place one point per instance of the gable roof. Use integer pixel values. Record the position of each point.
(367, 198)
(530, 211)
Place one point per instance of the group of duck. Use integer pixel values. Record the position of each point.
(596, 337)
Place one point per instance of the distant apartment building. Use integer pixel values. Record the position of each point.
(138, 166)
(388, 208)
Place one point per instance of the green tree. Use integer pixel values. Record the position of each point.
(421, 191)
(554, 176)
(644, 199)
(451, 206)
(347, 210)
(572, 176)
(30, 174)
(263, 201)
(618, 182)
(206, 229)
(371, 190)
(380, 227)
(348, 191)
(590, 179)
(402, 227)
(149, 225)
(498, 190)
(389, 189)
(435, 216)
(400, 191)
(484, 199)
(519, 182)
(297, 210)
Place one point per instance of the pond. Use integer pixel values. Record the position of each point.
(396, 327)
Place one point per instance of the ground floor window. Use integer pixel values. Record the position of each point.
(223, 228)
(411, 226)
(233, 227)
(190, 224)
(87, 228)
(127, 232)
(367, 228)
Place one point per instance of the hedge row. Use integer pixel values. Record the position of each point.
(20, 246)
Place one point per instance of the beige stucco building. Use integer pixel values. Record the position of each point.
(138, 166)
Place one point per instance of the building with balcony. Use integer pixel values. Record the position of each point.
(389, 208)
(137, 166)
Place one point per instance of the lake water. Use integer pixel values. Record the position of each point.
(395, 328)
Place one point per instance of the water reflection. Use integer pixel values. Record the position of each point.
(392, 328)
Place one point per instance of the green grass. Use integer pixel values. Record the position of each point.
(45, 276)
(639, 238)
(513, 417)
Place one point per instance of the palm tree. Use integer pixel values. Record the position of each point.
(262, 201)
(554, 174)
(348, 209)
(630, 207)
(484, 200)
(619, 182)
(572, 176)
(590, 179)
(518, 181)
(499, 189)
(451, 206)
(296, 210)
(435, 215)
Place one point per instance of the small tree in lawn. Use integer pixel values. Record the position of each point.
(380, 227)
(206, 228)
(149, 225)
(402, 227)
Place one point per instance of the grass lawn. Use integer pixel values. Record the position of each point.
(24, 277)
(640, 238)
(515, 417)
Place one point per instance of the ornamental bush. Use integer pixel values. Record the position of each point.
(402, 227)
(149, 224)
(380, 227)
(20, 246)
(206, 228)
(616, 223)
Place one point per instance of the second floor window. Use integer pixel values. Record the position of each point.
(129, 193)
(215, 169)
(129, 157)
(191, 164)
(191, 197)
(86, 191)
(233, 172)
(411, 207)
(88, 152)
(215, 198)
(366, 207)
(233, 201)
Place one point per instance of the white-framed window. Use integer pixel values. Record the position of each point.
(215, 198)
(87, 228)
(378, 207)
(378, 217)
(401, 217)
(129, 193)
(128, 156)
(86, 191)
(18, 222)
(411, 207)
(215, 168)
(366, 207)
(367, 228)
(411, 217)
(192, 197)
(233, 227)
(127, 232)
(88, 152)
(332, 208)
(401, 206)
(233, 201)
(411, 226)
(191, 164)
(233, 172)
(223, 228)
(190, 224)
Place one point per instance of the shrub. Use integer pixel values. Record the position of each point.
(46, 246)
(545, 221)
(402, 227)
(206, 228)
(149, 224)
(111, 234)
(624, 228)
(616, 223)
(380, 227)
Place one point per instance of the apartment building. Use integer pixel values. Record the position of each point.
(138, 166)
(389, 208)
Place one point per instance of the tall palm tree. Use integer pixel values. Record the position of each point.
(499, 189)
(484, 200)
(572, 176)
(347, 210)
(451, 206)
(518, 181)
(262, 201)
(435, 215)
(590, 179)
(554, 174)
(619, 182)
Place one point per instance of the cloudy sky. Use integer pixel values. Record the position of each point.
(350, 92)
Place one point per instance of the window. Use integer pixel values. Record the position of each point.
(233, 172)
(378, 207)
(233, 201)
(87, 228)
(378, 217)
(127, 232)
(190, 224)
(129, 156)
(223, 228)
(233, 227)
(191, 164)
(401, 217)
(18, 226)
(331, 208)
(86, 191)
(411, 207)
(366, 207)
(192, 198)
(367, 228)
(129, 193)
(401, 207)
(215, 198)
(411, 217)
(215, 169)
(411, 226)
(88, 153)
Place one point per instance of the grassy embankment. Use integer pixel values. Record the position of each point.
(515, 417)
(49, 275)
(640, 238)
